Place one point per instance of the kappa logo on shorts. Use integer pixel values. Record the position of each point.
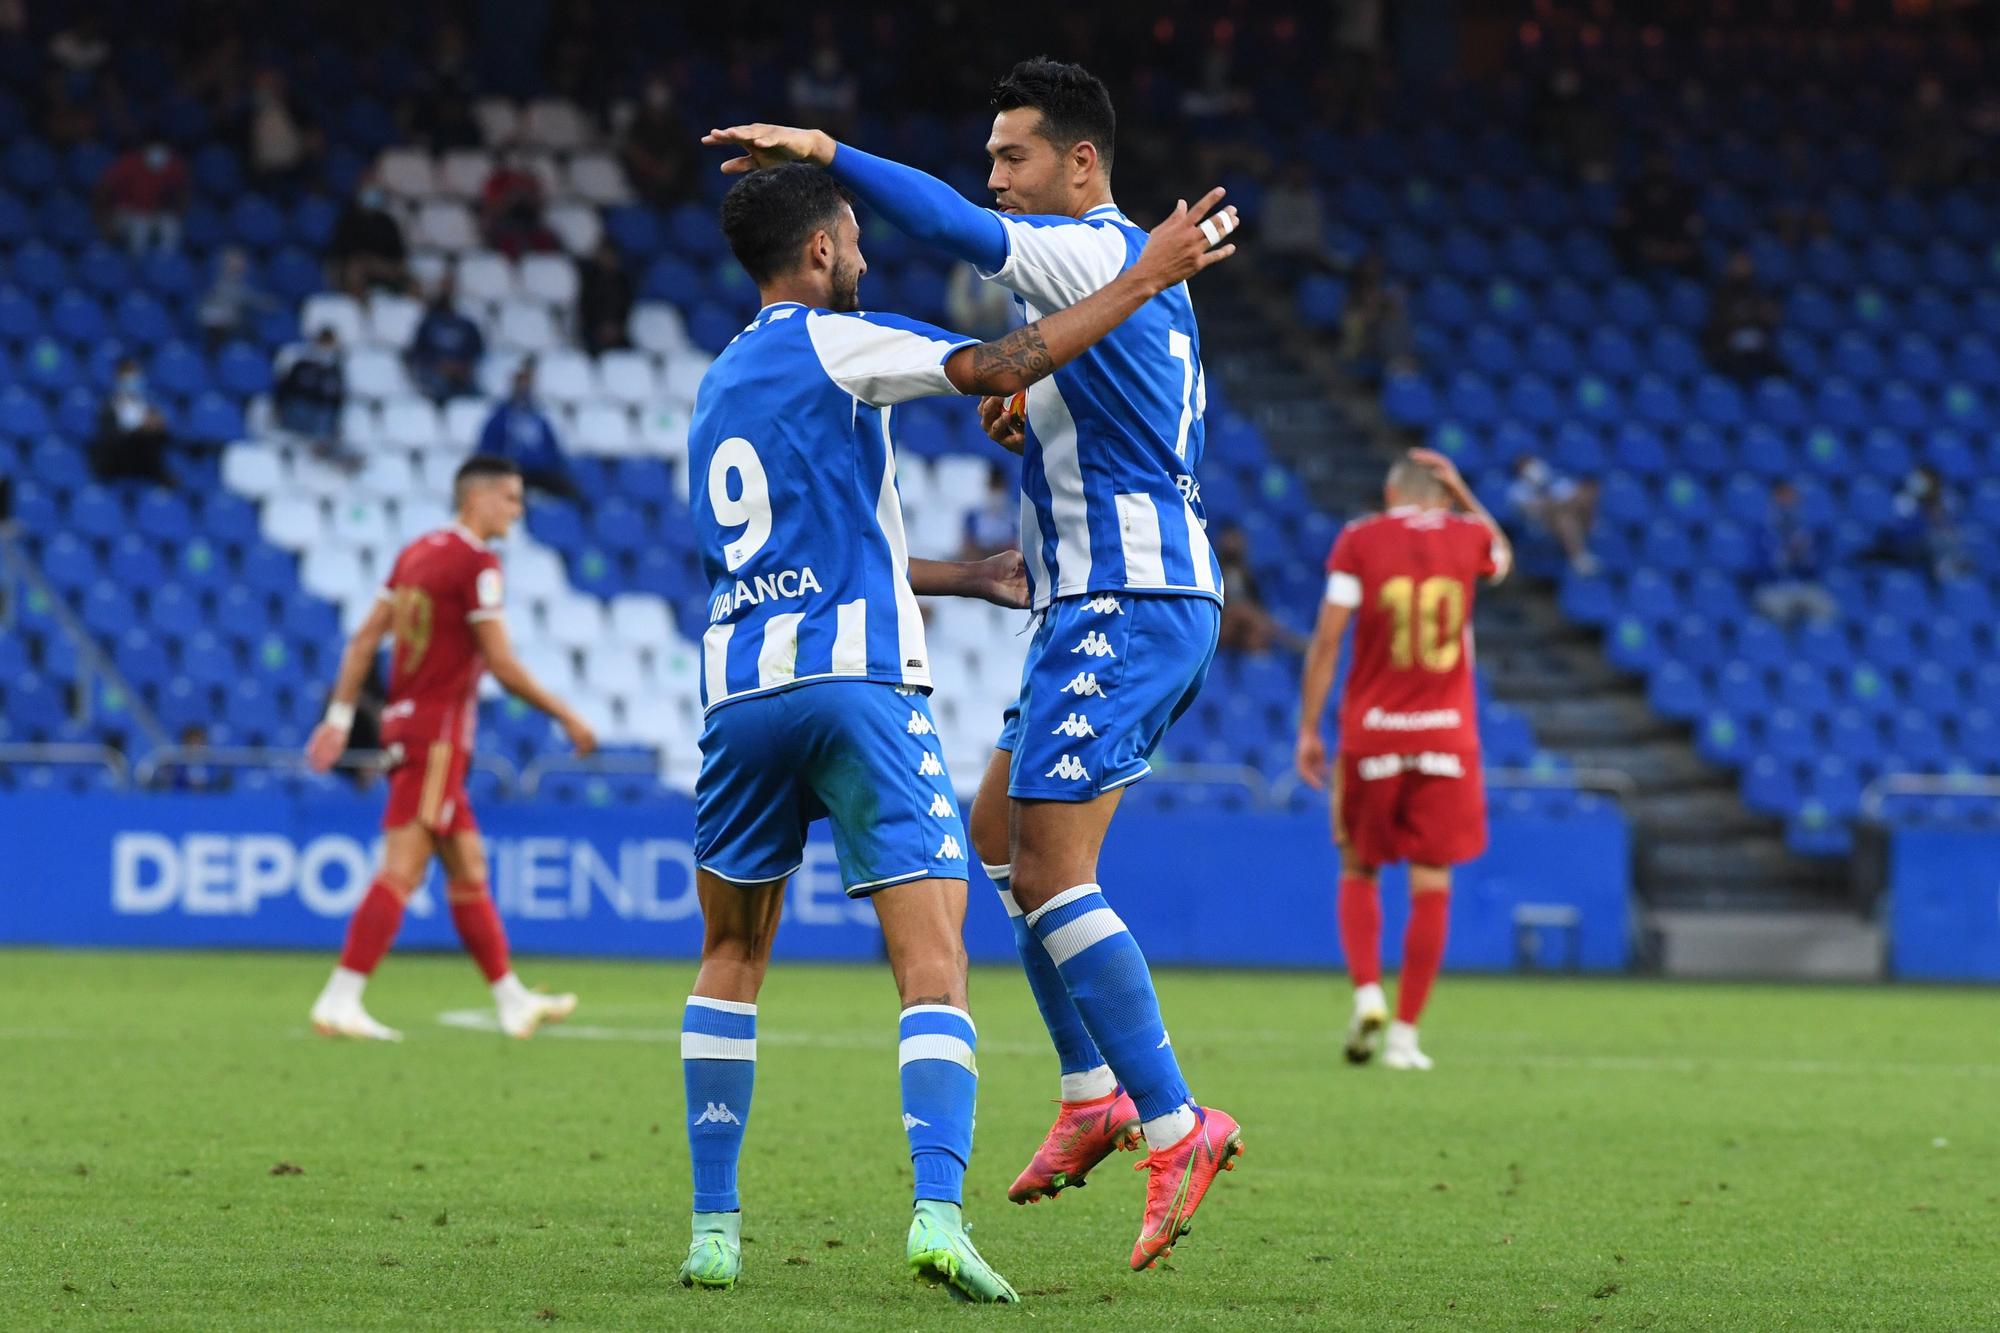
(1076, 724)
(920, 725)
(1070, 769)
(949, 850)
(1105, 606)
(940, 806)
(930, 768)
(1084, 685)
(1095, 645)
(718, 1113)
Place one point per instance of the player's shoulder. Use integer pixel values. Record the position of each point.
(1367, 525)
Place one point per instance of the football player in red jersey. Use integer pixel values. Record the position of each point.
(1407, 784)
(442, 604)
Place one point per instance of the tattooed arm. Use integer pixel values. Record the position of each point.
(1177, 249)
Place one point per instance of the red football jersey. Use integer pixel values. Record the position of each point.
(1409, 576)
(442, 585)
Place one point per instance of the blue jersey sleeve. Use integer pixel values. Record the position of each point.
(923, 207)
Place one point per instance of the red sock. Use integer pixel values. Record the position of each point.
(1423, 952)
(373, 927)
(1361, 929)
(479, 928)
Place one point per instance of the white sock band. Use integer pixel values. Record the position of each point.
(1090, 1085)
(1065, 897)
(1165, 1131)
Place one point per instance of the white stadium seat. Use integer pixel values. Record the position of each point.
(565, 376)
(428, 267)
(392, 320)
(628, 376)
(599, 178)
(640, 621)
(616, 670)
(496, 373)
(295, 522)
(574, 621)
(534, 571)
(526, 325)
(362, 521)
(663, 432)
(445, 225)
(577, 226)
(557, 125)
(386, 476)
(656, 326)
(334, 572)
(485, 275)
(683, 378)
(550, 279)
(331, 310)
(464, 418)
(375, 372)
(499, 120)
(412, 423)
(435, 470)
(415, 517)
(254, 470)
(407, 173)
(462, 173)
(604, 427)
(360, 427)
(316, 478)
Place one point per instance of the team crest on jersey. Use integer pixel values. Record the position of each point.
(1094, 644)
(1105, 606)
(1070, 769)
(940, 807)
(1084, 685)
(1076, 724)
(949, 850)
(920, 725)
(930, 768)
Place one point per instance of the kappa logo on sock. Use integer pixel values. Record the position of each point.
(718, 1113)
(1069, 768)
(1084, 685)
(940, 806)
(1105, 606)
(930, 768)
(910, 1122)
(920, 725)
(1094, 644)
(949, 850)
(1076, 724)
(1166, 1040)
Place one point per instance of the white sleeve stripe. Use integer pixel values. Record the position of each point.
(1503, 562)
(1343, 589)
(474, 617)
(878, 364)
(1055, 266)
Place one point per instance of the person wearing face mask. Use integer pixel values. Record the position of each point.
(1559, 505)
(142, 196)
(131, 441)
(368, 250)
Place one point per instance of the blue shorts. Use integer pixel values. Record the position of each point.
(860, 753)
(1106, 676)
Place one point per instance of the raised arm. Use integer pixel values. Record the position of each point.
(518, 681)
(1448, 476)
(329, 738)
(920, 206)
(1322, 659)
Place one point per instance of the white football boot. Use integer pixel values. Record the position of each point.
(523, 1012)
(1401, 1051)
(1364, 1028)
(338, 1012)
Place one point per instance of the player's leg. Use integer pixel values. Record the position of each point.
(338, 1012)
(719, 1064)
(1360, 915)
(1094, 1116)
(1423, 954)
(1445, 823)
(522, 1011)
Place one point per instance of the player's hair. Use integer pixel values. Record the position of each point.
(479, 468)
(770, 214)
(1413, 481)
(1074, 103)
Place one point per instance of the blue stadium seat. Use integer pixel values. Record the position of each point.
(96, 511)
(107, 609)
(1770, 785)
(1321, 302)
(207, 659)
(173, 610)
(170, 275)
(36, 707)
(143, 320)
(1720, 739)
(135, 560)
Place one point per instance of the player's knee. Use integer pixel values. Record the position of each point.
(1353, 867)
(466, 890)
(1430, 879)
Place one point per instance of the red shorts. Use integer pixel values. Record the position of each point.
(1427, 809)
(427, 786)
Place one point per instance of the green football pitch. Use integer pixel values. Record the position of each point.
(179, 1152)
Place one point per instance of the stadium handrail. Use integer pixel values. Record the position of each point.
(635, 764)
(255, 756)
(1612, 782)
(58, 752)
(1970, 785)
(16, 566)
(1217, 775)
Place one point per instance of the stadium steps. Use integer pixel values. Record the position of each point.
(1696, 847)
(1791, 945)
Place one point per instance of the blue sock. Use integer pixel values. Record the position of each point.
(1108, 982)
(1075, 1050)
(940, 1084)
(719, 1066)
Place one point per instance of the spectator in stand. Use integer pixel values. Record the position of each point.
(192, 775)
(443, 356)
(1573, 131)
(1293, 235)
(311, 388)
(1741, 337)
(824, 93)
(1247, 624)
(604, 300)
(132, 437)
(1560, 506)
(995, 524)
(1931, 149)
(439, 111)
(281, 146)
(978, 309)
(657, 149)
(1657, 225)
(367, 250)
(510, 208)
(142, 197)
(232, 300)
(522, 433)
(1791, 591)
(1375, 333)
(1925, 531)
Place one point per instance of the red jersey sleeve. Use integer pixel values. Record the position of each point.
(1483, 551)
(1343, 570)
(485, 598)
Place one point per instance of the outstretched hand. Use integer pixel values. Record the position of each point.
(769, 145)
(1188, 241)
(1003, 422)
(1003, 580)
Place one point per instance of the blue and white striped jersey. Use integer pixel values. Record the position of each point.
(1109, 500)
(796, 513)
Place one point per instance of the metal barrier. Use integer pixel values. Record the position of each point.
(1611, 782)
(1968, 785)
(92, 756)
(612, 764)
(147, 770)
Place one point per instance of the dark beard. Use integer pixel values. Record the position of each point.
(846, 296)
